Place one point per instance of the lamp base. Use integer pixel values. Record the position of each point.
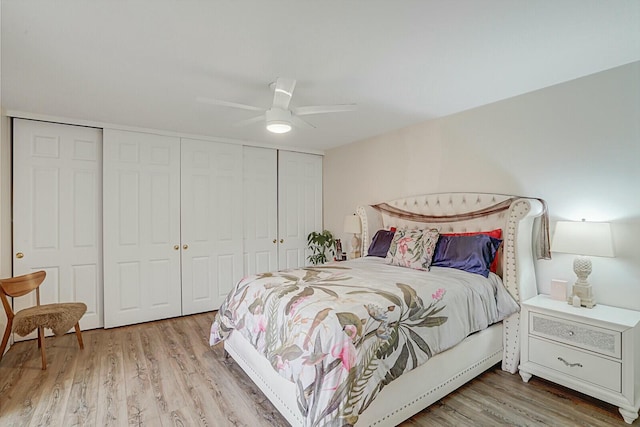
(582, 288)
(355, 247)
(584, 293)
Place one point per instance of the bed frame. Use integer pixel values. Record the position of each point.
(446, 371)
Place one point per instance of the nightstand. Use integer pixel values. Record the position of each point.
(594, 351)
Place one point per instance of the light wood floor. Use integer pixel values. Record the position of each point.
(165, 374)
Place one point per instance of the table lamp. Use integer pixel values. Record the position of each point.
(585, 239)
(352, 225)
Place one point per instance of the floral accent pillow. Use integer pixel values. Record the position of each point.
(413, 248)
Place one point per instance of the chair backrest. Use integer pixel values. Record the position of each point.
(19, 286)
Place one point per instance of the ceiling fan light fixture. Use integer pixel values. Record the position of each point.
(278, 120)
(277, 126)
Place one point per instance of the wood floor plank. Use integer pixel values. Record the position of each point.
(170, 400)
(165, 374)
(481, 414)
(224, 384)
(141, 403)
(200, 405)
(45, 403)
(62, 357)
(11, 371)
(439, 415)
(187, 338)
(537, 403)
(233, 383)
(549, 402)
(112, 410)
(83, 397)
(18, 375)
(532, 411)
(500, 401)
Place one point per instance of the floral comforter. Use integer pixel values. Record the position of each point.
(341, 332)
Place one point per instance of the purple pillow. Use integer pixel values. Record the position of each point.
(380, 243)
(469, 253)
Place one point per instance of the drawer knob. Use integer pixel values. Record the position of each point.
(571, 365)
(571, 333)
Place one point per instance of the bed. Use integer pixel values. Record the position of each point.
(363, 365)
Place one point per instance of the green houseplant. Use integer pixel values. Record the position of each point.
(319, 244)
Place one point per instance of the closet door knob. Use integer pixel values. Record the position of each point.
(19, 255)
(281, 240)
(275, 241)
(176, 247)
(185, 246)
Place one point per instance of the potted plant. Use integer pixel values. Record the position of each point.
(319, 244)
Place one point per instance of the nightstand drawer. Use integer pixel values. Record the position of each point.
(600, 340)
(586, 367)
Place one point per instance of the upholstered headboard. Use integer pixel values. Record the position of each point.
(465, 212)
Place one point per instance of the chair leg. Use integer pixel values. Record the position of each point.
(79, 335)
(5, 337)
(41, 345)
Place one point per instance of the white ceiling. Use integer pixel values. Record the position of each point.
(143, 63)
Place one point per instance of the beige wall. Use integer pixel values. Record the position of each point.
(576, 145)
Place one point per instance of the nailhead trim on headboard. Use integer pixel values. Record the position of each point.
(511, 341)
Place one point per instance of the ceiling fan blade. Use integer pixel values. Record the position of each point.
(298, 122)
(229, 104)
(249, 121)
(282, 92)
(322, 109)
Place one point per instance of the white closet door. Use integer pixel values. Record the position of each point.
(141, 227)
(260, 210)
(299, 205)
(57, 213)
(211, 223)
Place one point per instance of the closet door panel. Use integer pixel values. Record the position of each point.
(260, 210)
(211, 223)
(57, 213)
(299, 205)
(141, 227)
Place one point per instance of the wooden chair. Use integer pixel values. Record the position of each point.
(59, 317)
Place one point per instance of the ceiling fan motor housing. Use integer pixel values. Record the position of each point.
(278, 120)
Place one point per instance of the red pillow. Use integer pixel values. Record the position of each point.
(497, 233)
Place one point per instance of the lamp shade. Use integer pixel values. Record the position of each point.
(352, 224)
(583, 238)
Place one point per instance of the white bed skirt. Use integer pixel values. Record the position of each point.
(398, 401)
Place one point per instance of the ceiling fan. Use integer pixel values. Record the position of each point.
(280, 118)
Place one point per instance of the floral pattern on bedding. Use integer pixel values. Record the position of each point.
(338, 337)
